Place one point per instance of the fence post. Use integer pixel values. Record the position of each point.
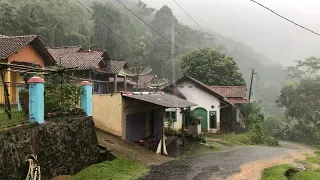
(20, 87)
(36, 99)
(86, 97)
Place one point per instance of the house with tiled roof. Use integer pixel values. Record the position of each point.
(21, 50)
(93, 65)
(143, 82)
(237, 95)
(217, 106)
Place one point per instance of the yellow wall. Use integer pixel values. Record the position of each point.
(27, 54)
(108, 112)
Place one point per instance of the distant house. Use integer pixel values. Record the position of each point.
(215, 110)
(121, 84)
(21, 50)
(144, 82)
(235, 95)
(94, 65)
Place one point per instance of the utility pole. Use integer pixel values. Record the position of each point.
(250, 90)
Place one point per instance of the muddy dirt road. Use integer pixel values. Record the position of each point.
(240, 164)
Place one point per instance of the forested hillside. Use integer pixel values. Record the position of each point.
(112, 27)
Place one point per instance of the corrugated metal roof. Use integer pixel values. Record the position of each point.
(164, 100)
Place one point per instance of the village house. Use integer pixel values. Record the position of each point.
(25, 51)
(134, 118)
(144, 82)
(217, 109)
(237, 95)
(95, 65)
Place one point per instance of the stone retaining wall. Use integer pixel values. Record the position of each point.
(63, 146)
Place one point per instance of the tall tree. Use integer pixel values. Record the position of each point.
(119, 23)
(304, 68)
(212, 68)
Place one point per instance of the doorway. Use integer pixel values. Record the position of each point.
(213, 119)
(202, 113)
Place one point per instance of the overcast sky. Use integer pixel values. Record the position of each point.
(249, 23)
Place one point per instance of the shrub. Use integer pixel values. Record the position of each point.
(256, 134)
(271, 141)
(61, 96)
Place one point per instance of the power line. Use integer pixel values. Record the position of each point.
(285, 18)
(220, 46)
(109, 28)
(191, 18)
(149, 26)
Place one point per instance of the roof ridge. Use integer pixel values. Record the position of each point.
(23, 36)
(61, 47)
(227, 86)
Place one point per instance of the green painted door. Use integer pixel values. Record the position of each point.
(201, 112)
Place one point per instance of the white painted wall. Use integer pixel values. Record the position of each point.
(202, 99)
(177, 125)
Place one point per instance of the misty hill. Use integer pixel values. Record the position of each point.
(67, 23)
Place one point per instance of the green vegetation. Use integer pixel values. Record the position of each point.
(118, 169)
(300, 99)
(201, 149)
(61, 96)
(66, 23)
(285, 171)
(252, 139)
(306, 175)
(276, 172)
(317, 153)
(204, 63)
(312, 160)
(243, 138)
(17, 119)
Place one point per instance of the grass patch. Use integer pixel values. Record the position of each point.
(118, 169)
(17, 118)
(306, 175)
(243, 138)
(317, 153)
(276, 172)
(215, 136)
(201, 149)
(312, 160)
(312, 163)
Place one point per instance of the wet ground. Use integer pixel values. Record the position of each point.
(237, 164)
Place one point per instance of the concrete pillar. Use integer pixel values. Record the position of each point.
(36, 99)
(125, 83)
(20, 87)
(86, 97)
(115, 83)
